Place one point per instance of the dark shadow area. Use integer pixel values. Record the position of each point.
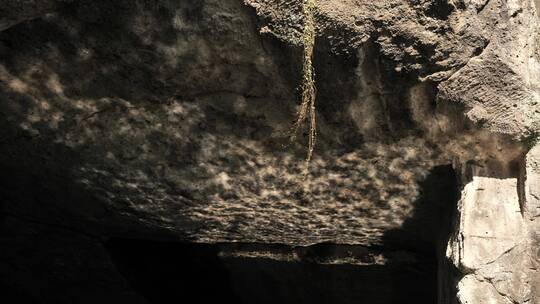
(12, 294)
(432, 216)
(170, 272)
(429, 229)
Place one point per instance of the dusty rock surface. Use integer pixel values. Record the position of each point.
(170, 120)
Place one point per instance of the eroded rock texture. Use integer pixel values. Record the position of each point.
(169, 120)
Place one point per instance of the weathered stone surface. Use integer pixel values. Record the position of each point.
(473, 290)
(182, 128)
(170, 120)
(499, 87)
(490, 222)
(496, 244)
(13, 12)
(531, 210)
(490, 244)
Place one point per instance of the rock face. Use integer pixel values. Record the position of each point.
(496, 243)
(490, 246)
(531, 210)
(169, 120)
(14, 12)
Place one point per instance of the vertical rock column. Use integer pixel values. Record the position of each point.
(531, 210)
(490, 245)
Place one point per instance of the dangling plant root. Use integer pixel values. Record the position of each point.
(307, 106)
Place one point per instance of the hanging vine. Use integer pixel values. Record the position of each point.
(307, 87)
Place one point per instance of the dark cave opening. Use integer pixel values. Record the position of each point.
(167, 272)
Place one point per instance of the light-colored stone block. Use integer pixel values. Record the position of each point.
(490, 222)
